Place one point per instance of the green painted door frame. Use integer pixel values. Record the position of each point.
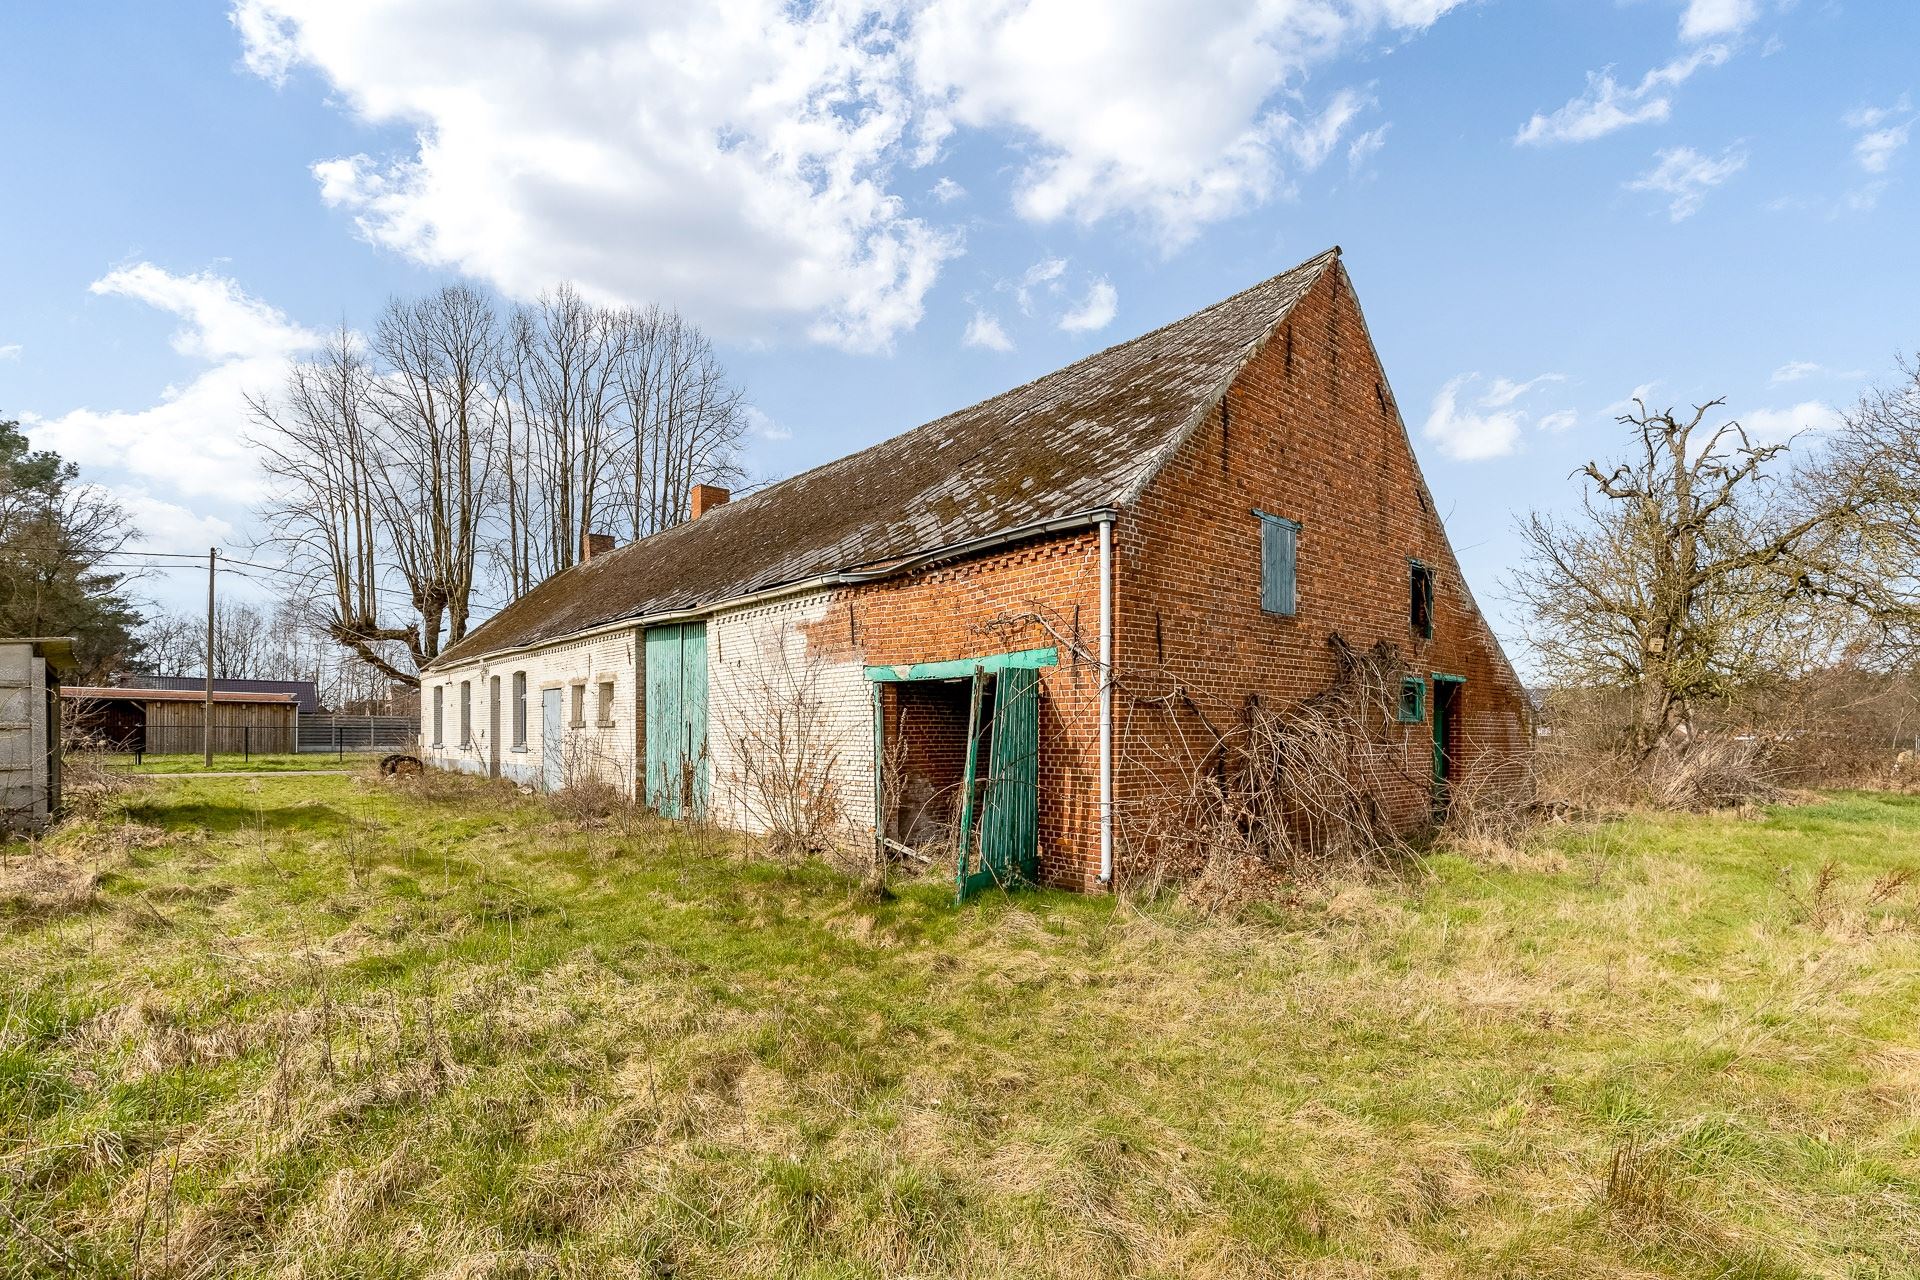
(1005, 816)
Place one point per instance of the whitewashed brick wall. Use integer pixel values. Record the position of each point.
(606, 751)
(757, 663)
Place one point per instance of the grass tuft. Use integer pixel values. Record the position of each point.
(433, 1027)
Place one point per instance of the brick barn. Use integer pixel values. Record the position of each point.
(1035, 613)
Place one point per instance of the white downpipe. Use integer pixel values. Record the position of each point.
(1106, 700)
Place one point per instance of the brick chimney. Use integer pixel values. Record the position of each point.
(708, 496)
(594, 544)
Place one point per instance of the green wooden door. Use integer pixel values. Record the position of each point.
(676, 746)
(1008, 848)
(1446, 730)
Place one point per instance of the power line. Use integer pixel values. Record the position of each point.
(227, 561)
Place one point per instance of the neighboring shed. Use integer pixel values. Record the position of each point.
(169, 721)
(306, 694)
(30, 671)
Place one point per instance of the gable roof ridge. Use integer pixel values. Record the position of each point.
(1316, 266)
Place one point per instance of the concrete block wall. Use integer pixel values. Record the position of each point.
(773, 697)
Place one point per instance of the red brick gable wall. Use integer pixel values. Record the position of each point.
(1309, 432)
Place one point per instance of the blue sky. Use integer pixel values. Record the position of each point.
(885, 209)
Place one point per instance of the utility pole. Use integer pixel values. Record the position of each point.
(206, 716)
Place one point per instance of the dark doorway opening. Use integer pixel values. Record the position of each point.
(926, 760)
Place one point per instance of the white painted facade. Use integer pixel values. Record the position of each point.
(597, 680)
(772, 705)
(766, 695)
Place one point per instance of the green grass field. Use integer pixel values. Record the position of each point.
(234, 762)
(333, 1027)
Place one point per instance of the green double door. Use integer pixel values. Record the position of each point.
(678, 767)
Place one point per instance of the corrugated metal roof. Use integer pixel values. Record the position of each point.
(1080, 439)
(304, 691)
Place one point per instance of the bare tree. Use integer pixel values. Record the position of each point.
(563, 372)
(321, 449)
(684, 419)
(1684, 578)
(442, 421)
(395, 464)
(1873, 562)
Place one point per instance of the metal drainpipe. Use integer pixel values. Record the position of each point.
(1106, 701)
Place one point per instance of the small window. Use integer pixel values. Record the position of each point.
(466, 713)
(439, 715)
(1413, 700)
(519, 711)
(579, 706)
(1420, 600)
(604, 705)
(1279, 550)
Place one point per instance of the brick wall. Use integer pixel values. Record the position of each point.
(1309, 432)
(1042, 594)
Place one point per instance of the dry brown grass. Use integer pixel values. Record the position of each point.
(475, 1037)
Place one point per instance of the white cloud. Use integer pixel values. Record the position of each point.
(983, 330)
(1504, 391)
(1779, 424)
(11, 351)
(1686, 176)
(1606, 106)
(744, 161)
(189, 441)
(734, 160)
(762, 425)
(1794, 371)
(1365, 147)
(946, 191)
(1042, 277)
(168, 526)
(1096, 310)
(1705, 19)
(1472, 428)
(1163, 111)
(1883, 134)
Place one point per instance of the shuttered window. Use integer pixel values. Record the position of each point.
(466, 713)
(519, 711)
(439, 715)
(604, 705)
(1413, 700)
(1279, 555)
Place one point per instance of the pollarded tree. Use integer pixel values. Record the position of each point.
(1689, 574)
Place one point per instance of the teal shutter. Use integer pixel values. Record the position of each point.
(1279, 555)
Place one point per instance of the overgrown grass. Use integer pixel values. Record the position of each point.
(235, 762)
(332, 1027)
